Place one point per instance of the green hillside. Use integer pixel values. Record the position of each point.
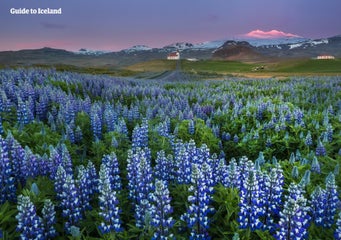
(309, 66)
(214, 66)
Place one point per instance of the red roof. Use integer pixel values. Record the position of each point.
(173, 54)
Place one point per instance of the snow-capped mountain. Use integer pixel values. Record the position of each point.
(274, 41)
(85, 51)
(209, 44)
(309, 43)
(215, 44)
(303, 48)
(179, 46)
(250, 50)
(137, 48)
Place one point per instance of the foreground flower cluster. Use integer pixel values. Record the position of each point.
(103, 157)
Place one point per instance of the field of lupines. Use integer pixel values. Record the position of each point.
(97, 157)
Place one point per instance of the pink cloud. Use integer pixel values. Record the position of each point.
(269, 34)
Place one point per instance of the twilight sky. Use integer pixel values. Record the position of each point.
(119, 24)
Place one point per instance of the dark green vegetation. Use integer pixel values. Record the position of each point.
(213, 66)
(311, 66)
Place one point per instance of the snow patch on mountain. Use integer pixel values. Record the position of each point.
(274, 42)
(321, 41)
(179, 46)
(292, 46)
(84, 51)
(209, 44)
(137, 48)
(309, 43)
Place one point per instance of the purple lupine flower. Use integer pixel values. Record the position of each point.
(70, 133)
(1, 127)
(111, 162)
(235, 138)
(308, 140)
(55, 160)
(337, 234)
(260, 159)
(251, 207)
(292, 158)
(137, 137)
(317, 204)
(93, 178)
(294, 172)
(161, 220)
(84, 188)
(49, 219)
(243, 170)
(164, 167)
(122, 127)
(140, 135)
(110, 118)
(42, 107)
(31, 162)
(96, 125)
(260, 109)
(298, 115)
(195, 155)
(298, 155)
(144, 189)
(294, 218)
(59, 181)
(207, 175)
(114, 142)
(305, 179)
(320, 149)
(66, 158)
(329, 133)
(226, 136)
(22, 113)
(272, 196)
(78, 135)
(332, 201)
(132, 168)
(108, 203)
(29, 225)
(315, 165)
(69, 112)
(219, 170)
(233, 175)
(183, 164)
(70, 203)
(200, 197)
(7, 181)
(268, 142)
(43, 165)
(191, 127)
(163, 129)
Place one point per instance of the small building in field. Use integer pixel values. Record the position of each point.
(192, 59)
(325, 57)
(173, 56)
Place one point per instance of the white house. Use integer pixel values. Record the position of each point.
(325, 57)
(173, 56)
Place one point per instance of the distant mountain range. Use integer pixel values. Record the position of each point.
(255, 50)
